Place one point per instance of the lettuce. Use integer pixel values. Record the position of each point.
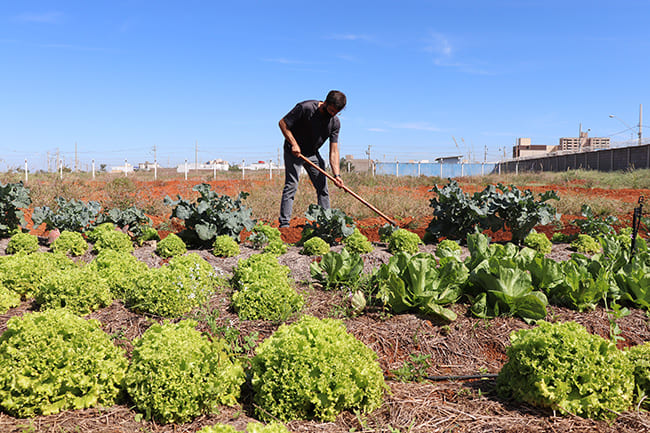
(562, 367)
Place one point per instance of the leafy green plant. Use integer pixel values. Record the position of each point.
(595, 225)
(54, 361)
(563, 367)
(314, 369)
(148, 234)
(212, 215)
(358, 243)
(263, 289)
(539, 242)
(331, 225)
(586, 244)
(448, 248)
(131, 219)
(335, 270)
(79, 289)
(8, 299)
(251, 427)
(519, 211)
(25, 273)
(72, 243)
(177, 374)
(99, 230)
(275, 247)
(413, 370)
(173, 290)
(639, 356)
(13, 198)
(113, 240)
(455, 213)
(262, 234)
(578, 288)
(225, 246)
(120, 271)
(315, 246)
(22, 243)
(385, 231)
(171, 246)
(402, 240)
(415, 283)
(73, 215)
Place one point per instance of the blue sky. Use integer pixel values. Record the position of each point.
(120, 77)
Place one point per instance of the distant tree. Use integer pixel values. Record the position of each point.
(102, 167)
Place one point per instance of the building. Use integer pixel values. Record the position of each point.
(356, 165)
(453, 159)
(584, 142)
(524, 148)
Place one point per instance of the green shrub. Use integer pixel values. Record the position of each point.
(53, 361)
(586, 244)
(640, 358)
(73, 215)
(119, 270)
(70, 242)
(403, 240)
(22, 243)
(148, 234)
(8, 299)
(177, 374)
(315, 369)
(251, 427)
(562, 238)
(357, 242)
(563, 367)
(225, 246)
(263, 289)
(95, 233)
(114, 240)
(173, 290)
(79, 289)
(24, 273)
(315, 247)
(539, 242)
(171, 246)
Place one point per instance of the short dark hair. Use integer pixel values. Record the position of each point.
(336, 99)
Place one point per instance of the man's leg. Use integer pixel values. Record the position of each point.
(291, 169)
(319, 180)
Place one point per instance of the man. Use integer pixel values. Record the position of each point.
(305, 129)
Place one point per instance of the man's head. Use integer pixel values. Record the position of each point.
(335, 102)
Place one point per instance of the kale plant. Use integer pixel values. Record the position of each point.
(331, 225)
(73, 215)
(132, 219)
(595, 225)
(13, 198)
(212, 215)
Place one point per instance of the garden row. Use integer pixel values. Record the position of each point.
(312, 368)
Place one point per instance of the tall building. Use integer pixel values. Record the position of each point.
(524, 148)
(584, 142)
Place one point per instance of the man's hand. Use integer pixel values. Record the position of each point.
(338, 181)
(295, 149)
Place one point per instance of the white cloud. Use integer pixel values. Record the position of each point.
(45, 17)
(439, 45)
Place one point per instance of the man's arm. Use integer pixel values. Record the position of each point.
(334, 163)
(295, 149)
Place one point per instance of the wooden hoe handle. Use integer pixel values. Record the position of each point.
(349, 191)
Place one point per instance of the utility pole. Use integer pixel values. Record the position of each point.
(369, 159)
(640, 121)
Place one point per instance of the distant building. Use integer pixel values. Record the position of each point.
(584, 142)
(126, 168)
(357, 165)
(216, 164)
(454, 159)
(147, 166)
(524, 148)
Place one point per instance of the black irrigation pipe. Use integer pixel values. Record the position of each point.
(462, 377)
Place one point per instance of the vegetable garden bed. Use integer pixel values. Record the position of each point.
(419, 346)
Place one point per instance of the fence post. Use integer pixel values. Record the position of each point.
(155, 169)
(125, 167)
(242, 169)
(186, 169)
(26, 176)
(93, 164)
(214, 171)
(270, 170)
(418, 168)
(396, 168)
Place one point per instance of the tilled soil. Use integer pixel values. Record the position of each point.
(467, 346)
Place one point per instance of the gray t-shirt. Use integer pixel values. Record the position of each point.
(310, 127)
